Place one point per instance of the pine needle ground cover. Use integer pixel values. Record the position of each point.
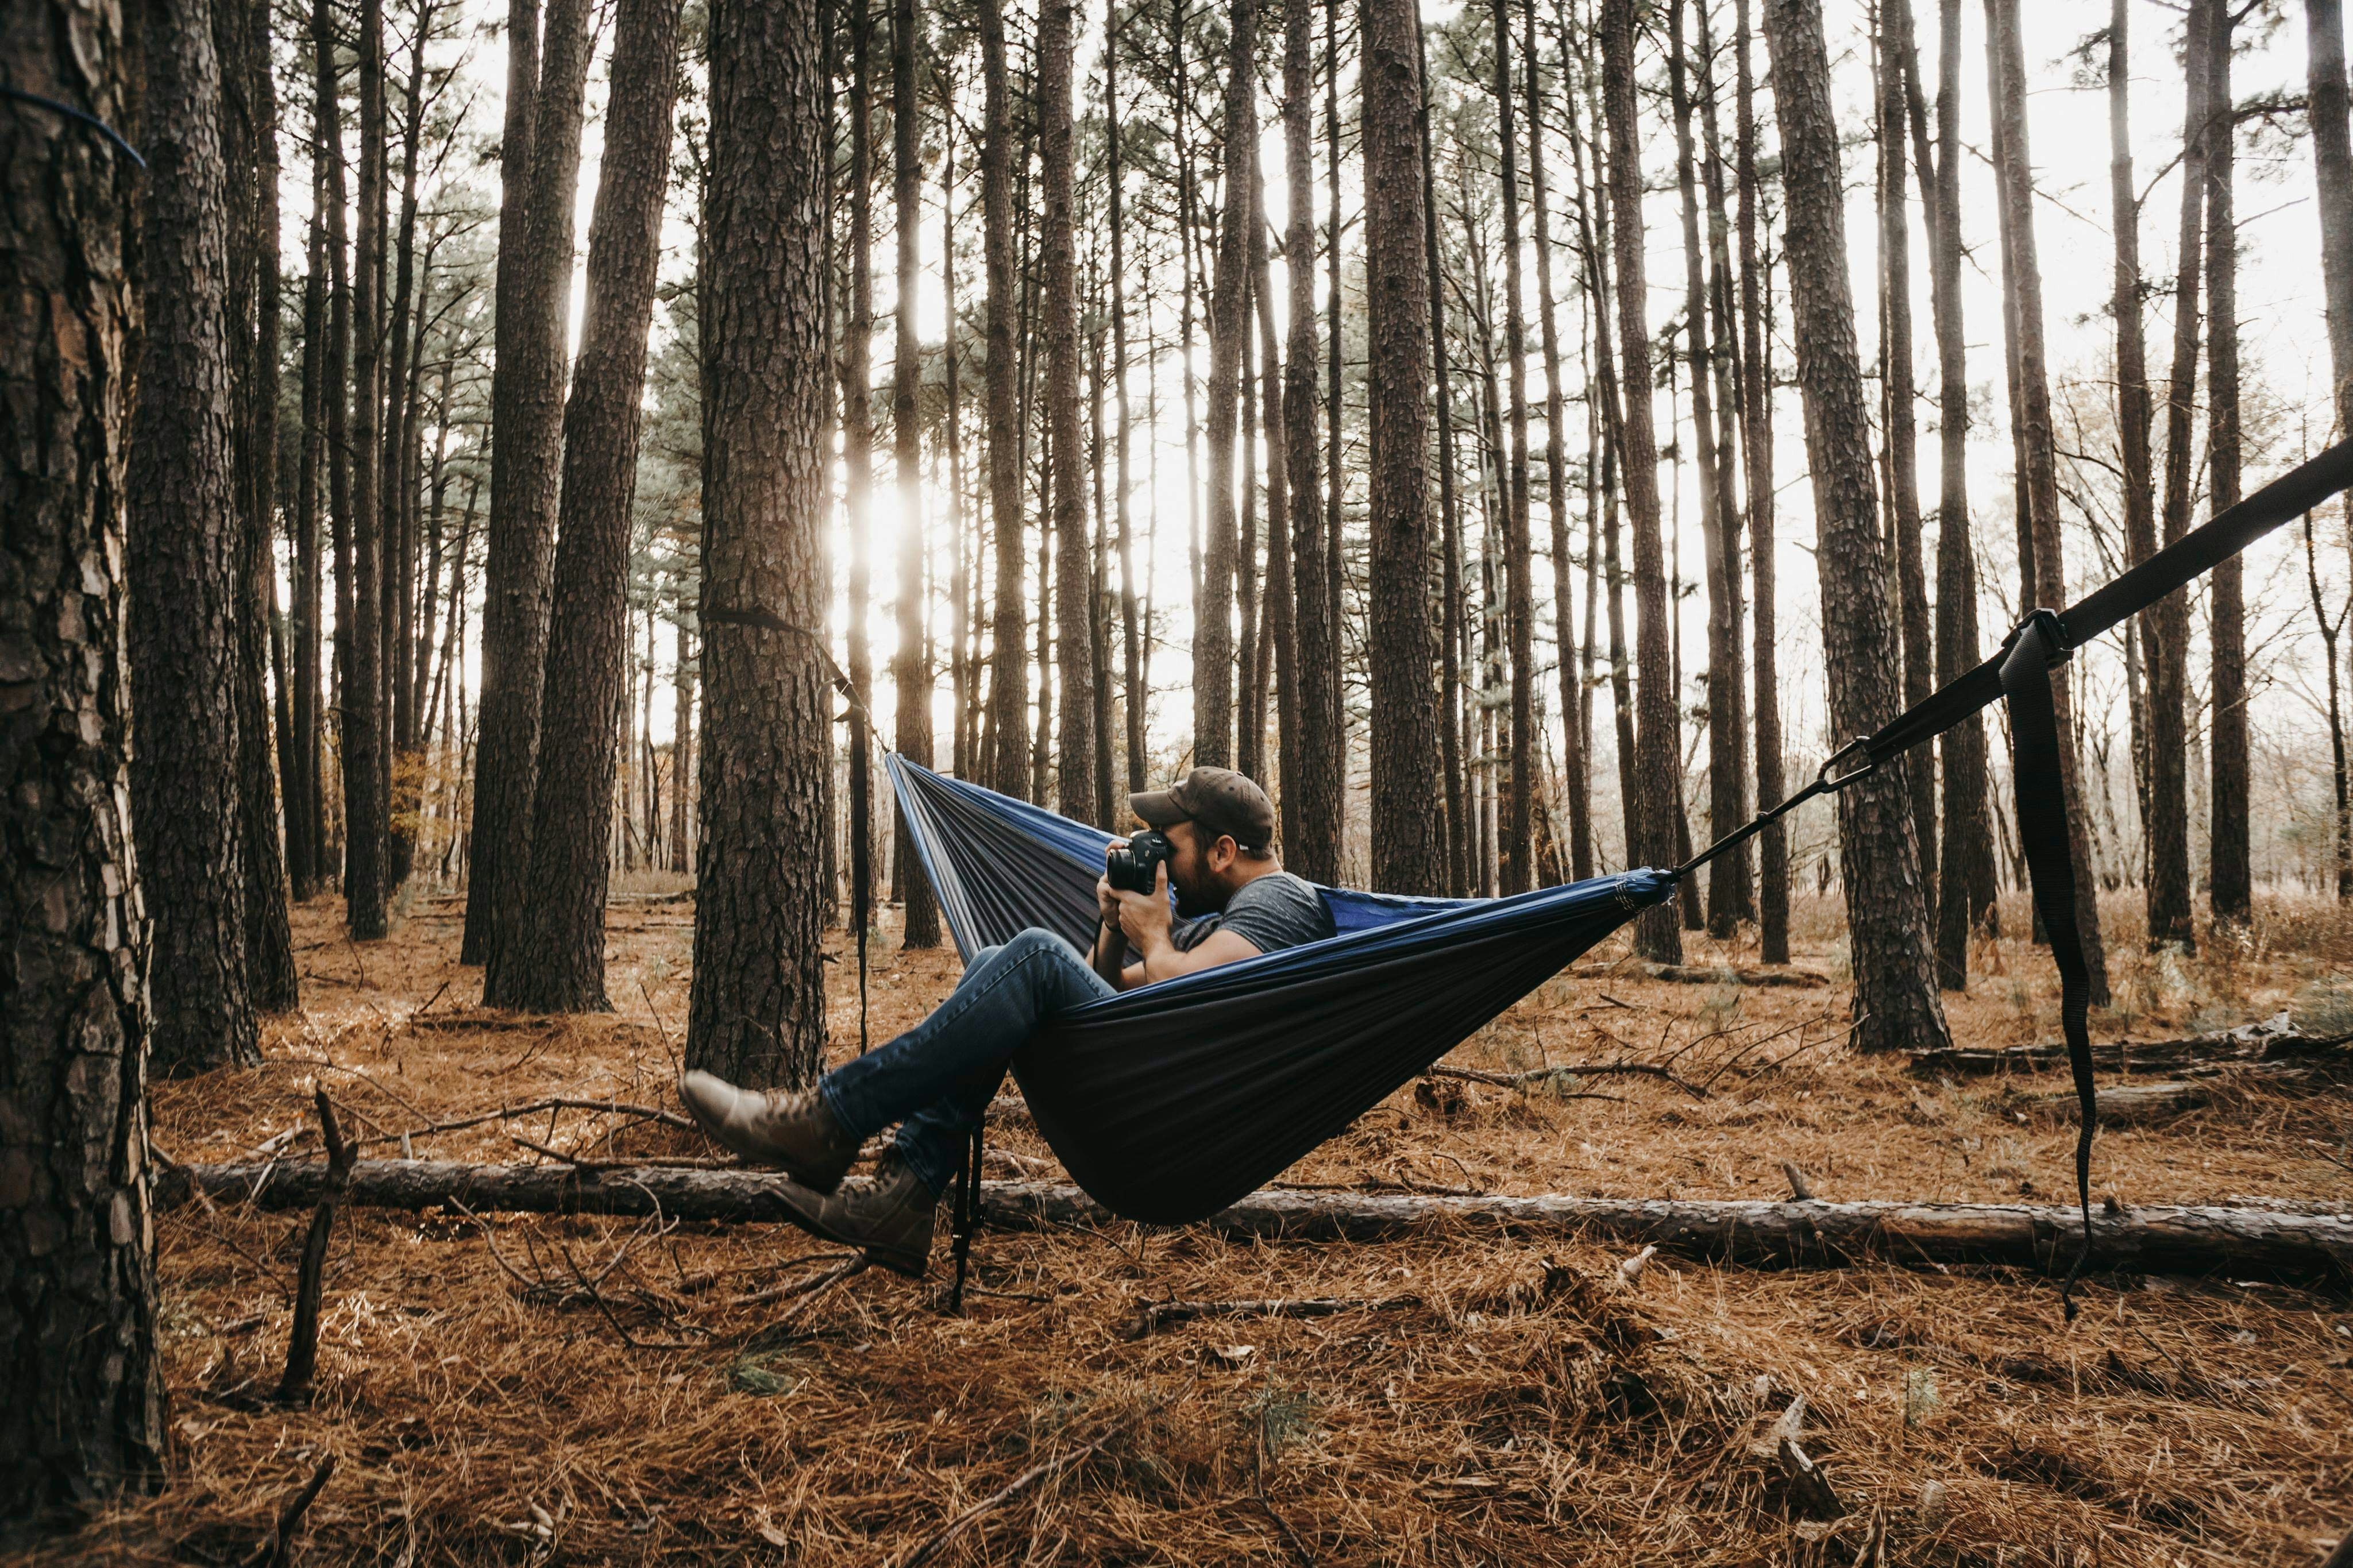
(535, 1389)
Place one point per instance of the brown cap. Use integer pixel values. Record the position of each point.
(1218, 799)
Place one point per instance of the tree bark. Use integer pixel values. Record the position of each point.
(187, 588)
(1651, 809)
(1073, 577)
(328, 129)
(301, 749)
(1895, 996)
(1278, 631)
(2230, 886)
(539, 175)
(854, 365)
(362, 693)
(1451, 741)
(85, 1418)
(1214, 653)
(1519, 593)
(1320, 814)
(1965, 894)
(1008, 714)
(555, 963)
(1756, 453)
(1408, 856)
(2165, 625)
(2332, 159)
(2133, 396)
(1752, 1232)
(762, 891)
(910, 663)
(2037, 441)
(1902, 436)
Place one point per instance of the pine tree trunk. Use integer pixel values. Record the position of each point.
(1557, 491)
(1651, 809)
(301, 771)
(1073, 576)
(1214, 652)
(2013, 164)
(2229, 874)
(1902, 431)
(1716, 510)
(1008, 712)
(911, 664)
(539, 173)
(1451, 736)
(1312, 844)
(250, 148)
(557, 962)
(1408, 856)
(2332, 159)
(1132, 677)
(86, 1417)
(2166, 624)
(762, 893)
(1895, 997)
(855, 365)
(1278, 630)
(2133, 396)
(361, 694)
(1519, 593)
(186, 590)
(1965, 894)
(1756, 452)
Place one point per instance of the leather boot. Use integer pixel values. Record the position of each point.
(888, 1217)
(791, 1128)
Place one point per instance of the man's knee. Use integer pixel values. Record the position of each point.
(1038, 939)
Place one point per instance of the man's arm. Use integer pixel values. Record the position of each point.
(1143, 917)
(1111, 942)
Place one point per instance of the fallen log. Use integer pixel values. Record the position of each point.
(2144, 1104)
(2271, 1040)
(1703, 973)
(2243, 1242)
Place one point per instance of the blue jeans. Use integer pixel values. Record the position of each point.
(936, 1079)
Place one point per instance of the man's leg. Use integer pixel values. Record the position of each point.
(938, 1077)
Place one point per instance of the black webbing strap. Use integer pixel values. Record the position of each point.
(967, 1218)
(2035, 761)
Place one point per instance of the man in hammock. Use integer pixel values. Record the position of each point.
(1233, 900)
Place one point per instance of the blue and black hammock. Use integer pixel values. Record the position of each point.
(1167, 1102)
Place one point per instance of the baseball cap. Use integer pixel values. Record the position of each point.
(1218, 799)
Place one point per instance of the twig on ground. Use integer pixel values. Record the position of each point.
(303, 1342)
(1799, 1188)
(999, 1499)
(605, 1309)
(516, 1113)
(275, 1551)
(1549, 1074)
(576, 1160)
(843, 1266)
(1811, 1488)
(1630, 1271)
(1160, 1314)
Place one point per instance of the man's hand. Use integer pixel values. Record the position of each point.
(1144, 916)
(1106, 896)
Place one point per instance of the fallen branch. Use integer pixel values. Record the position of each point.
(2245, 1241)
(1160, 1314)
(302, 1342)
(1811, 1488)
(1705, 973)
(2271, 1040)
(275, 1551)
(2138, 1104)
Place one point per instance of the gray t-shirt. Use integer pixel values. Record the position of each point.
(1276, 911)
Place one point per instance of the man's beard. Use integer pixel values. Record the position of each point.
(1187, 906)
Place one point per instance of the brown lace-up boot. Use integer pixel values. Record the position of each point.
(792, 1127)
(888, 1215)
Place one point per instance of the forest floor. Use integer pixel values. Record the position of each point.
(1489, 1403)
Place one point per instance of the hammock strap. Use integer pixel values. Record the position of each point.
(966, 1215)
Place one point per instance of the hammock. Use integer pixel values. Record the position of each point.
(1167, 1102)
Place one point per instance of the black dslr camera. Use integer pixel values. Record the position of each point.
(1136, 867)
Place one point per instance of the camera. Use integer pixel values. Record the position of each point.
(1135, 868)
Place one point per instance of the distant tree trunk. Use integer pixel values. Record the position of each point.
(250, 148)
(1519, 593)
(556, 964)
(1407, 856)
(1895, 999)
(363, 759)
(1651, 810)
(1074, 584)
(911, 664)
(1132, 676)
(1902, 433)
(964, 672)
(86, 1418)
(539, 173)
(2230, 874)
(2013, 164)
(1099, 576)
(854, 363)
(1450, 738)
(681, 751)
(1313, 847)
(1278, 632)
(2332, 158)
(2165, 625)
(300, 747)
(1214, 653)
(327, 124)
(1335, 408)
(1009, 715)
(186, 590)
(758, 1014)
(395, 710)
(1716, 515)
(1756, 453)
(2133, 396)
(1965, 894)
(1557, 492)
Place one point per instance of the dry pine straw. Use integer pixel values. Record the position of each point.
(483, 1409)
